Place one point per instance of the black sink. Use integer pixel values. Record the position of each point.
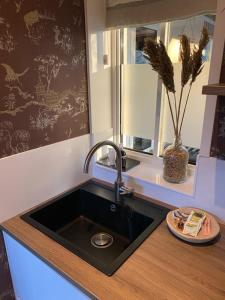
(88, 222)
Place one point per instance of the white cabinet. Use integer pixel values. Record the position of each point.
(33, 279)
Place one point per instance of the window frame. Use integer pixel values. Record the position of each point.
(117, 47)
(118, 50)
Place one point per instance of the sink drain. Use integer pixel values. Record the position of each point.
(102, 240)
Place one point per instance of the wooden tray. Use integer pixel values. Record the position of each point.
(201, 238)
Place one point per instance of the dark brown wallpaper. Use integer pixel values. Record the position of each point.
(43, 81)
(218, 137)
(6, 288)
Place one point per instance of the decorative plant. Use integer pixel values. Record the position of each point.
(192, 65)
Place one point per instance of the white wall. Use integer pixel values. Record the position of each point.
(32, 177)
(99, 41)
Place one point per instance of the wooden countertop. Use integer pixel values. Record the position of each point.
(163, 267)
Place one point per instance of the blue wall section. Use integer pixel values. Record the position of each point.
(35, 280)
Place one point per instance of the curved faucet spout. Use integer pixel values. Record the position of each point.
(118, 154)
(119, 182)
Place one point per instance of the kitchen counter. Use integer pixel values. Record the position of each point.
(163, 267)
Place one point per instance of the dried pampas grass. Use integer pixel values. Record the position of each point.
(161, 63)
(197, 63)
(192, 65)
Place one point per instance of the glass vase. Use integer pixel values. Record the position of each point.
(175, 162)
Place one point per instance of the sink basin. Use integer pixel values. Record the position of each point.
(89, 223)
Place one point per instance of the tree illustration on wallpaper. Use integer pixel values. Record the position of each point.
(63, 39)
(35, 28)
(18, 4)
(48, 68)
(6, 38)
(43, 97)
(13, 141)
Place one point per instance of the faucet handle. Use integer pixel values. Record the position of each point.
(126, 191)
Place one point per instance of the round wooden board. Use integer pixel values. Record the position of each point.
(201, 238)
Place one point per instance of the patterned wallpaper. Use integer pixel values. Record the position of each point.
(43, 80)
(6, 288)
(218, 137)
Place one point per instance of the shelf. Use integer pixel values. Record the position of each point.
(148, 177)
(214, 89)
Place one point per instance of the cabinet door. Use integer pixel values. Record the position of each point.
(35, 280)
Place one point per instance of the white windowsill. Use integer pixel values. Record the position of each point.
(150, 172)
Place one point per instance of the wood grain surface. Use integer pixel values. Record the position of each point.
(214, 89)
(163, 267)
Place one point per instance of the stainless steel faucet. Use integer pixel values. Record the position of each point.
(120, 188)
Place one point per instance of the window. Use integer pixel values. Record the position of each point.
(145, 119)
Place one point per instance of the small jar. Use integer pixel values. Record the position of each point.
(175, 162)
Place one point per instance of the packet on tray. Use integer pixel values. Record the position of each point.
(194, 223)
